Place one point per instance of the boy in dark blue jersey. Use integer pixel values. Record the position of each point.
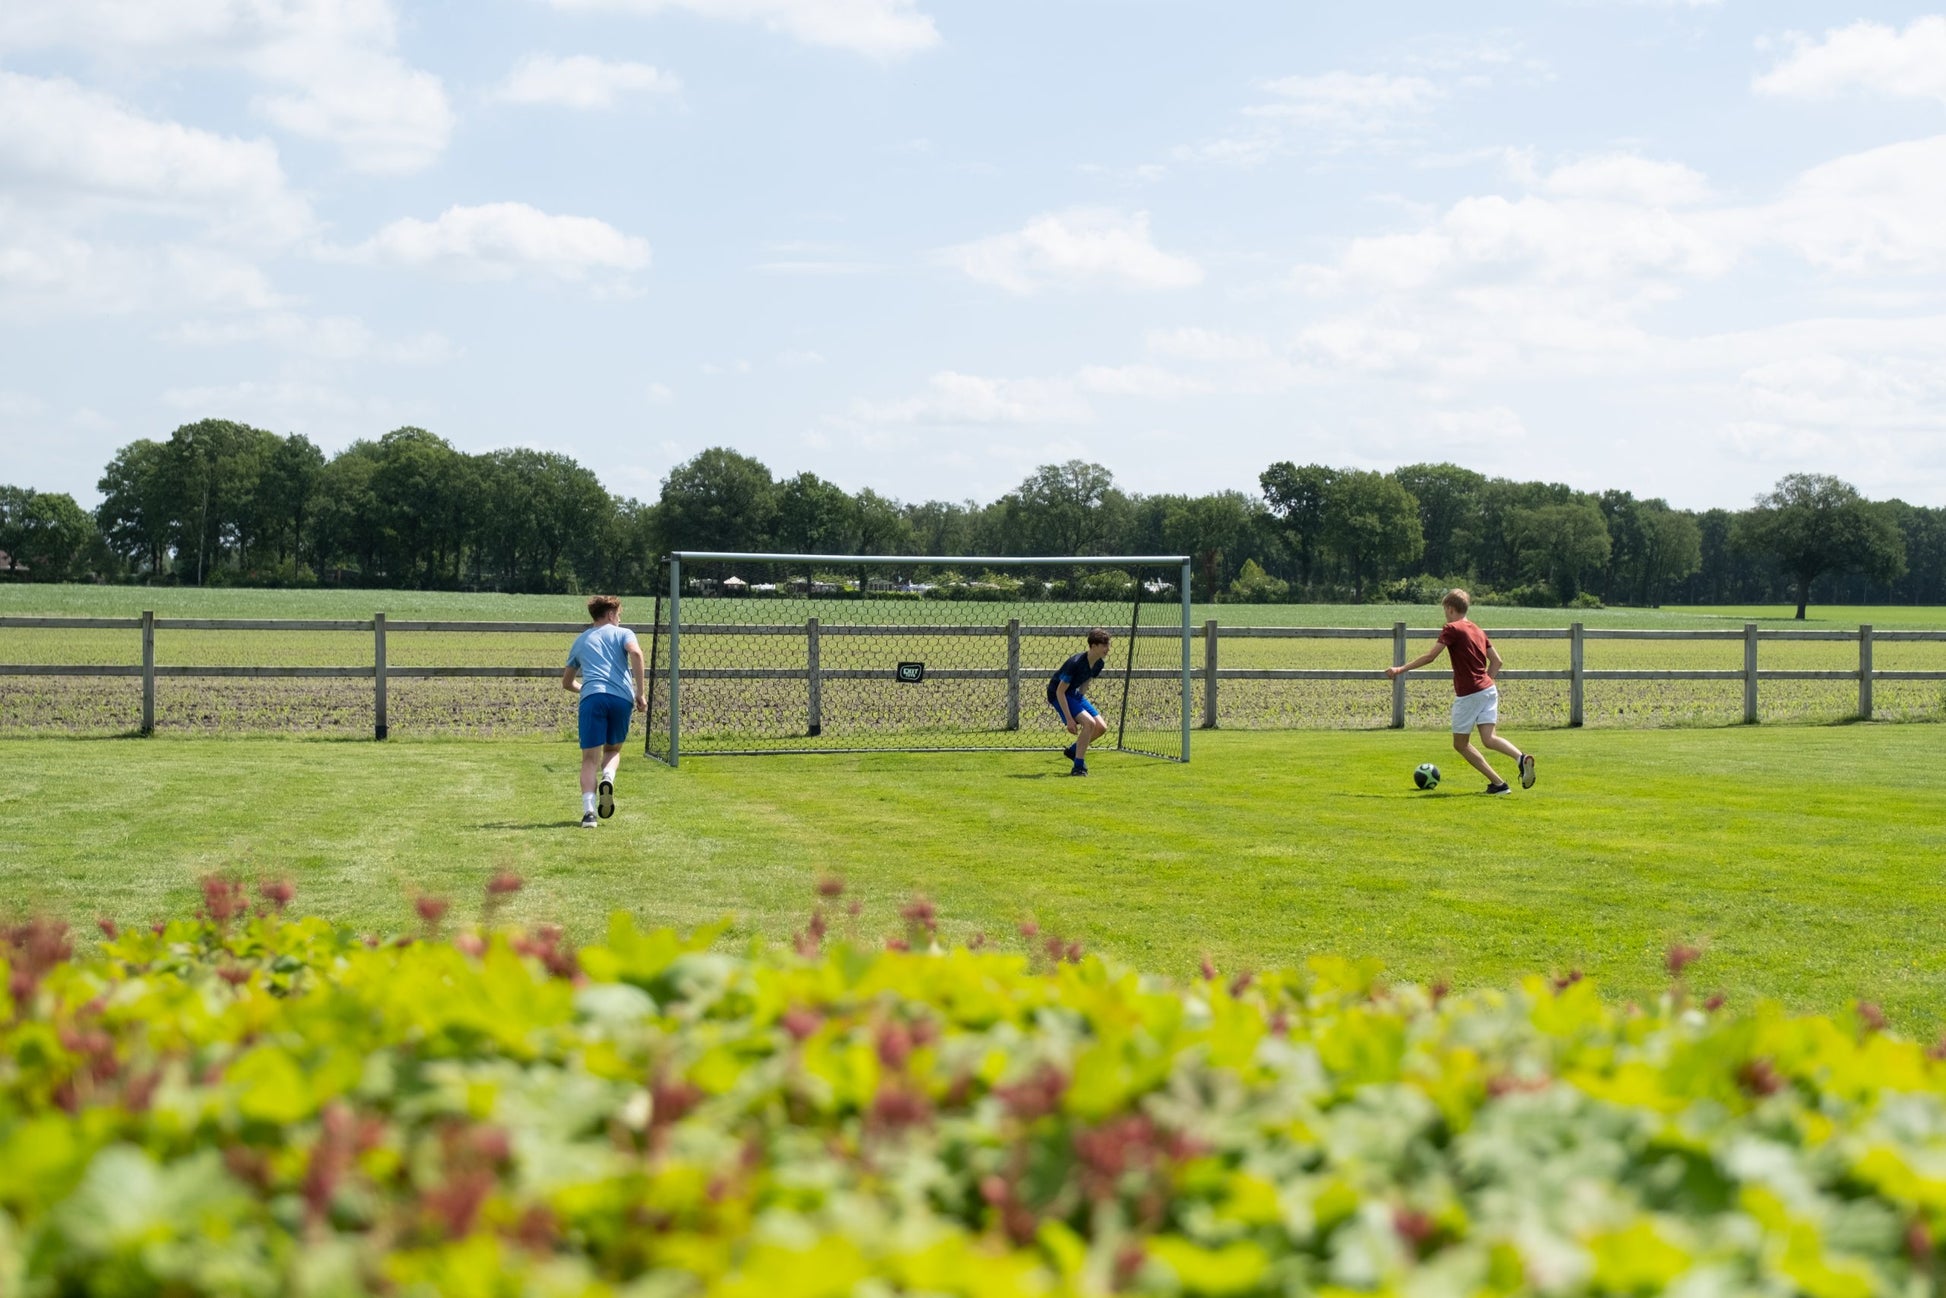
(1067, 693)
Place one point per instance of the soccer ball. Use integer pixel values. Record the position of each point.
(1427, 776)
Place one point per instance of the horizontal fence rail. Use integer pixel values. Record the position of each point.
(1210, 676)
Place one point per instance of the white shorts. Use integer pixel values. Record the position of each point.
(1482, 709)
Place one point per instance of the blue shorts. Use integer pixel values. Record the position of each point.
(604, 719)
(1077, 706)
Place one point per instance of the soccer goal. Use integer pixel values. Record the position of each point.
(816, 653)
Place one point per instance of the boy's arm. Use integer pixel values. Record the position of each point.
(567, 680)
(1493, 661)
(1061, 700)
(635, 669)
(1421, 661)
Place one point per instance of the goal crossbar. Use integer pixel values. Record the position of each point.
(884, 696)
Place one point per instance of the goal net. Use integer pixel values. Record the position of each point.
(778, 653)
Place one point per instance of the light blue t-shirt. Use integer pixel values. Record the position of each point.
(601, 652)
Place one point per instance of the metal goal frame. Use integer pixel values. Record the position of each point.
(674, 599)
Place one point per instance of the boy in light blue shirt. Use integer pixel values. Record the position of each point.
(612, 684)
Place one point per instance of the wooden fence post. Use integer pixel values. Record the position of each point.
(1749, 673)
(378, 676)
(1210, 656)
(1398, 682)
(1577, 666)
(1013, 673)
(148, 671)
(815, 677)
(1865, 672)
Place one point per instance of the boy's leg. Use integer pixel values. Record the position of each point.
(590, 771)
(605, 791)
(1490, 736)
(1523, 762)
(1463, 745)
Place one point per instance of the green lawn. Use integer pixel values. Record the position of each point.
(1805, 861)
(178, 601)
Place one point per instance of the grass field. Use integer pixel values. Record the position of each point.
(1804, 861)
(180, 601)
(534, 708)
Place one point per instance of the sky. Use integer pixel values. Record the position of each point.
(1680, 247)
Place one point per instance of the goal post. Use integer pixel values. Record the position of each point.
(808, 653)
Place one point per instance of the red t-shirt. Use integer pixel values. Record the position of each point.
(1467, 645)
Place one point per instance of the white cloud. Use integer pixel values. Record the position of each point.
(1625, 178)
(1207, 345)
(328, 68)
(502, 240)
(1347, 101)
(325, 412)
(1868, 57)
(1881, 210)
(1080, 247)
(581, 81)
(884, 29)
(953, 398)
(47, 270)
(1149, 382)
(1340, 110)
(330, 338)
(62, 143)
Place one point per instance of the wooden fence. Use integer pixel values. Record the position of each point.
(1211, 675)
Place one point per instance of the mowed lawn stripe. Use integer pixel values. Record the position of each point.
(1804, 860)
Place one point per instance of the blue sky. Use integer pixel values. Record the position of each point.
(925, 245)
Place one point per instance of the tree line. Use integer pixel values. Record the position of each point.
(223, 503)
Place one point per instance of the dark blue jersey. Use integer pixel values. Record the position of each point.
(1077, 672)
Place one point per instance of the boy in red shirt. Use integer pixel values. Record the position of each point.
(1475, 664)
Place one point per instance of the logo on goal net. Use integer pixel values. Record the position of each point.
(911, 673)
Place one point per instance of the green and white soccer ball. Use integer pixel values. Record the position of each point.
(1427, 776)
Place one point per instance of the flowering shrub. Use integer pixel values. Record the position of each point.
(246, 1103)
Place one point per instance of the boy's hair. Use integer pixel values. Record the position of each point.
(601, 606)
(1097, 636)
(1458, 599)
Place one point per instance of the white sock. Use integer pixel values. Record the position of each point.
(609, 776)
(587, 804)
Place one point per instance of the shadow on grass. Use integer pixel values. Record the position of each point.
(526, 825)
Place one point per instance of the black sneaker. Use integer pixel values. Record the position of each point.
(1495, 790)
(605, 795)
(1526, 770)
(1080, 768)
(588, 820)
(1068, 752)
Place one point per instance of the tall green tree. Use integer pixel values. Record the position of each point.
(1209, 529)
(1562, 545)
(44, 533)
(1371, 524)
(427, 496)
(1449, 498)
(134, 515)
(210, 472)
(1813, 523)
(1671, 549)
(1063, 509)
(1297, 497)
(719, 500)
(286, 496)
(814, 516)
(943, 527)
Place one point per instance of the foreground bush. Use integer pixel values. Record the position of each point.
(248, 1104)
